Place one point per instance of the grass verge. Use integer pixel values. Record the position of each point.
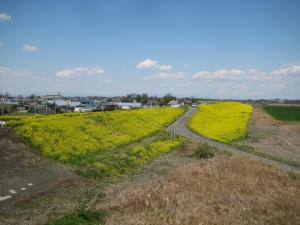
(126, 159)
(249, 149)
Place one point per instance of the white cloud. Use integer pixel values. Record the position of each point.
(165, 67)
(80, 71)
(149, 63)
(146, 64)
(30, 48)
(256, 74)
(202, 74)
(5, 17)
(179, 75)
(251, 83)
(220, 74)
(4, 70)
(292, 69)
(233, 74)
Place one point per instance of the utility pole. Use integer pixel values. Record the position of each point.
(173, 135)
(35, 106)
(17, 104)
(2, 105)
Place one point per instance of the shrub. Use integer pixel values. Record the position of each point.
(80, 217)
(204, 151)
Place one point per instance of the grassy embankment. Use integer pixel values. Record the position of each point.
(96, 142)
(224, 122)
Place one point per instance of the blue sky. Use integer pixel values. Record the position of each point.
(216, 49)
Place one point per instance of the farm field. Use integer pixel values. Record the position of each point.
(90, 140)
(225, 122)
(284, 113)
(271, 137)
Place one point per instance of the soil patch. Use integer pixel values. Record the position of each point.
(274, 137)
(32, 187)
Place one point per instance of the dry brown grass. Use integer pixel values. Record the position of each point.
(223, 190)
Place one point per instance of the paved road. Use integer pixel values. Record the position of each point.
(180, 128)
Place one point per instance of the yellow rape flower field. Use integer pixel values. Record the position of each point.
(94, 140)
(225, 122)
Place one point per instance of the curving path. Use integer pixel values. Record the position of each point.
(180, 128)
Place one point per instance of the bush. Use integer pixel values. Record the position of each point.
(81, 217)
(204, 151)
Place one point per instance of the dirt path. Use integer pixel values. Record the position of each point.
(23, 173)
(180, 128)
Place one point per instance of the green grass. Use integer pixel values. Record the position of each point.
(252, 150)
(284, 113)
(125, 160)
(80, 217)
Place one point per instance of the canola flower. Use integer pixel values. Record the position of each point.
(142, 154)
(70, 137)
(225, 122)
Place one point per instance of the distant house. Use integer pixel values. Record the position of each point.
(84, 109)
(151, 104)
(86, 105)
(11, 102)
(174, 103)
(107, 106)
(60, 103)
(51, 97)
(88, 102)
(129, 105)
(187, 102)
(74, 104)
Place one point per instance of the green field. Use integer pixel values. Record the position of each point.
(284, 113)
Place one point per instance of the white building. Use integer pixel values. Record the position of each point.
(83, 109)
(52, 97)
(174, 103)
(129, 105)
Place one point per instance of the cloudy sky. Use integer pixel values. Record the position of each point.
(212, 49)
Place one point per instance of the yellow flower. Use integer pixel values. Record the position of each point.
(225, 122)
